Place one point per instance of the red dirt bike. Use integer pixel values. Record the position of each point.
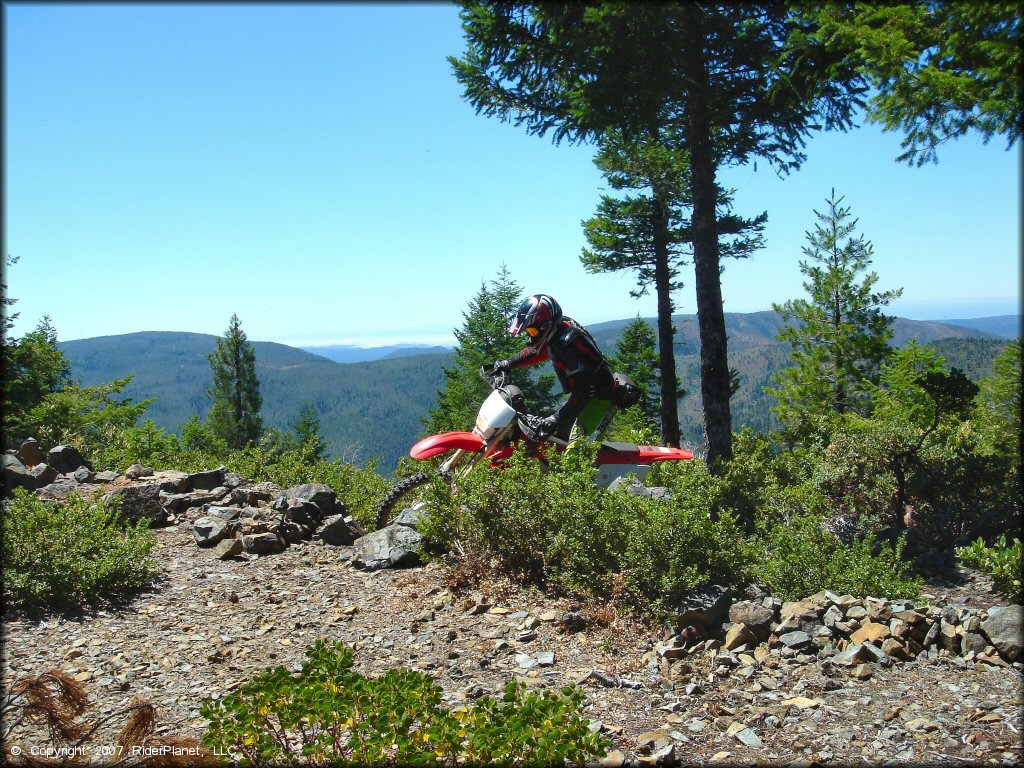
(502, 423)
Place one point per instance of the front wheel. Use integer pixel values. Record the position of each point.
(406, 491)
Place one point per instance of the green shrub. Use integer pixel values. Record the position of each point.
(1004, 562)
(802, 558)
(556, 527)
(328, 713)
(72, 553)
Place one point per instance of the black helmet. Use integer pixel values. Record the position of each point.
(539, 315)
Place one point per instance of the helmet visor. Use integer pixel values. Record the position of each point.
(532, 332)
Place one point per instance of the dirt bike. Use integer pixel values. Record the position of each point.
(503, 423)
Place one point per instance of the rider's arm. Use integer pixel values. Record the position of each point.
(527, 356)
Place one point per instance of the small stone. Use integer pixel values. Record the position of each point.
(870, 632)
(862, 672)
(795, 639)
(921, 724)
(229, 548)
(545, 658)
(801, 702)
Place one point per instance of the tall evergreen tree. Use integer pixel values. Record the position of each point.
(483, 339)
(715, 73)
(33, 368)
(938, 70)
(636, 355)
(839, 335)
(235, 414)
(651, 233)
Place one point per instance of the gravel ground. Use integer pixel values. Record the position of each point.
(208, 626)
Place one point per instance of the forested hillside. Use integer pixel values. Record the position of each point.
(374, 409)
(366, 410)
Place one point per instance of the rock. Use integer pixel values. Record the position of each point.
(1004, 628)
(870, 633)
(974, 641)
(262, 543)
(66, 459)
(391, 547)
(138, 502)
(84, 475)
(17, 475)
(738, 634)
(207, 531)
(229, 548)
(340, 530)
(743, 734)
(546, 658)
(411, 517)
(299, 511)
(755, 616)
(796, 639)
(224, 513)
(704, 606)
(893, 647)
(252, 496)
(107, 476)
(320, 495)
(137, 472)
(949, 638)
(44, 474)
(30, 453)
(859, 653)
(206, 480)
(634, 487)
(614, 759)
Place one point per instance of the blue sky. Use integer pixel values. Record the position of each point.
(314, 169)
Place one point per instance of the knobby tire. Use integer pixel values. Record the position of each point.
(390, 502)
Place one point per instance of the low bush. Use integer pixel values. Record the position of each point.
(329, 714)
(72, 553)
(1004, 562)
(801, 558)
(554, 526)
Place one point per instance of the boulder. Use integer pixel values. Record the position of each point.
(323, 496)
(262, 543)
(17, 475)
(66, 459)
(30, 453)
(704, 606)
(107, 476)
(206, 480)
(45, 474)
(1004, 627)
(207, 531)
(172, 481)
(224, 513)
(391, 547)
(861, 652)
(138, 502)
(738, 634)
(754, 615)
(340, 530)
(84, 475)
(252, 495)
(304, 513)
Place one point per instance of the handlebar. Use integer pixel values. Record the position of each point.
(494, 380)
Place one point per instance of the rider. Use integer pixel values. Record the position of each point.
(585, 374)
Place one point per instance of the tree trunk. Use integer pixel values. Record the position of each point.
(666, 333)
(714, 356)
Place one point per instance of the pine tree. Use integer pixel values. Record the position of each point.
(719, 73)
(33, 368)
(306, 430)
(651, 233)
(839, 336)
(483, 339)
(235, 414)
(636, 356)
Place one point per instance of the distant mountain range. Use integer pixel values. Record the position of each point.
(346, 353)
(1006, 326)
(374, 407)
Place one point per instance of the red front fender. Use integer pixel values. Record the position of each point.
(449, 441)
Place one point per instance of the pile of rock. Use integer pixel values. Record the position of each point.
(844, 630)
(32, 468)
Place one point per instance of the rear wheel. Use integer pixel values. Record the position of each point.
(406, 492)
